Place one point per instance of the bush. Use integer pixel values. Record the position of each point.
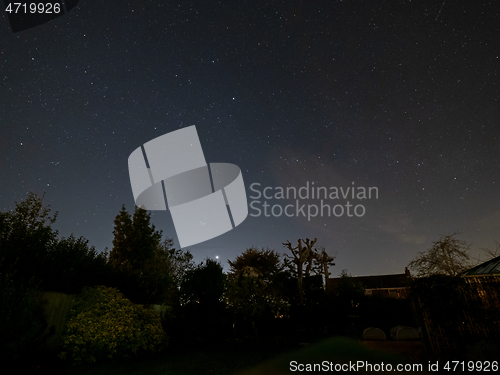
(22, 325)
(104, 324)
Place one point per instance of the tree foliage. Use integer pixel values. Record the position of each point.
(254, 284)
(266, 263)
(448, 256)
(177, 261)
(22, 324)
(347, 288)
(139, 258)
(135, 239)
(166, 270)
(104, 324)
(30, 246)
(72, 264)
(202, 313)
(204, 284)
(26, 236)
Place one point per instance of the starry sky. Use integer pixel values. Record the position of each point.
(398, 95)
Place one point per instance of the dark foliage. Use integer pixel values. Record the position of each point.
(203, 312)
(30, 246)
(22, 326)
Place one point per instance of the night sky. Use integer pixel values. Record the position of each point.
(398, 95)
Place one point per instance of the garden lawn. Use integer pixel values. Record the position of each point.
(221, 360)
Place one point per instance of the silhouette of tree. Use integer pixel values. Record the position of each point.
(26, 236)
(265, 262)
(135, 240)
(122, 244)
(448, 256)
(254, 285)
(303, 255)
(204, 284)
(137, 258)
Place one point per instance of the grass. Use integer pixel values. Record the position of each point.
(252, 358)
(221, 359)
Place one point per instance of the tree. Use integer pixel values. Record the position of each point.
(303, 254)
(30, 246)
(204, 284)
(166, 270)
(120, 254)
(490, 254)
(72, 264)
(137, 259)
(347, 289)
(265, 262)
(135, 239)
(324, 261)
(254, 285)
(202, 313)
(26, 236)
(306, 260)
(178, 261)
(448, 256)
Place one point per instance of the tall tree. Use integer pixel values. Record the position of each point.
(135, 258)
(448, 256)
(135, 241)
(120, 254)
(324, 261)
(145, 238)
(303, 255)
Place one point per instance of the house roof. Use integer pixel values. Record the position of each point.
(491, 267)
(379, 282)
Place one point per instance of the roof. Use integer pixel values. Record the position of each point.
(491, 267)
(379, 282)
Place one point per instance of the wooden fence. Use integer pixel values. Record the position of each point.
(478, 320)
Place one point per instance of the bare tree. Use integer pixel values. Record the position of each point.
(324, 261)
(448, 256)
(490, 254)
(303, 254)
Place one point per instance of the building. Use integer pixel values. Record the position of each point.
(489, 268)
(394, 286)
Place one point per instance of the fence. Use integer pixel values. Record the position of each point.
(478, 318)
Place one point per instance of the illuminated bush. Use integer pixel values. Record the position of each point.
(104, 324)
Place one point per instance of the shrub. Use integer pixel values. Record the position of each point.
(104, 324)
(22, 325)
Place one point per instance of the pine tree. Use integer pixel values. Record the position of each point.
(122, 246)
(145, 239)
(136, 257)
(136, 240)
